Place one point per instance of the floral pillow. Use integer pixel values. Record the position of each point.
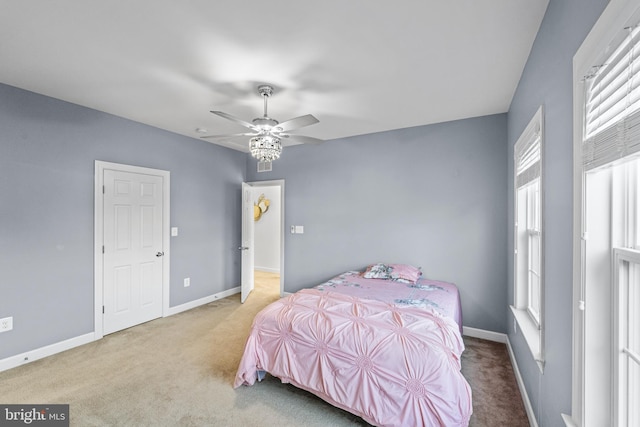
(377, 271)
(397, 272)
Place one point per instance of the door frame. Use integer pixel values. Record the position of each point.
(98, 215)
(277, 183)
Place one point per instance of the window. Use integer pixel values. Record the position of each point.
(626, 387)
(534, 248)
(606, 375)
(610, 150)
(611, 282)
(528, 258)
(626, 295)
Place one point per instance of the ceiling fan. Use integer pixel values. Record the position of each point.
(268, 134)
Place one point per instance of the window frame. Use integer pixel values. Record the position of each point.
(529, 185)
(534, 232)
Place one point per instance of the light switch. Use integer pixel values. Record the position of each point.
(299, 229)
(174, 231)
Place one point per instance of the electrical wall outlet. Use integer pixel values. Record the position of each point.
(187, 282)
(6, 324)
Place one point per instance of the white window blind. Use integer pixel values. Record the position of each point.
(527, 152)
(612, 109)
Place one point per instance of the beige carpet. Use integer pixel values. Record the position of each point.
(178, 371)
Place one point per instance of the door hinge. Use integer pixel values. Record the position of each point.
(103, 309)
(103, 190)
(102, 248)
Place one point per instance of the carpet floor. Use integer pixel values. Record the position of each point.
(179, 371)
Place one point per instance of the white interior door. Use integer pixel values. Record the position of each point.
(133, 249)
(247, 245)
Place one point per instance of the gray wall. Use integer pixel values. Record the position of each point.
(432, 196)
(547, 80)
(47, 152)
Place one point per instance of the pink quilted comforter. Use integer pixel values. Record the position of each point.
(389, 364)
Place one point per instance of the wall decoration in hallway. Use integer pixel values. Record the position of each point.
(260, 207)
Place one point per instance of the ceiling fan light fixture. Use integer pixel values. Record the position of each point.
(265, 141)
(265, 148)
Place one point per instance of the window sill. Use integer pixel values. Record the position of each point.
(532, 335)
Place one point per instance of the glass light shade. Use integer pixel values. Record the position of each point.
(265, 148)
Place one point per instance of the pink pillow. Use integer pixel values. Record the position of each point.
(404, 272)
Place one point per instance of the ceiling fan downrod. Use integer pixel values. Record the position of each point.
(265, 121)
(266, 91)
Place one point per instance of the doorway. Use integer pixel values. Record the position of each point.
(268, 199)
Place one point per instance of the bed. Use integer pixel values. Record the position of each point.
(382, 345)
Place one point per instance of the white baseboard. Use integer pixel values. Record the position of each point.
(42, 352)
(504, 338)
(202, 301)
(39, 353)
(523, 391)
(483, 334)
(50, 350)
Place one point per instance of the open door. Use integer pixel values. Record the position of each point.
(247, 245)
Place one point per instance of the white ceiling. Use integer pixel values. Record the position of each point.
(359, 66)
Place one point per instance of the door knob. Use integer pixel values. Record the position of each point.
(159, 254)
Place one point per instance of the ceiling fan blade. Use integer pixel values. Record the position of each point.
(296, 123)
(235, 119)
(299, 139)
(227, 136)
